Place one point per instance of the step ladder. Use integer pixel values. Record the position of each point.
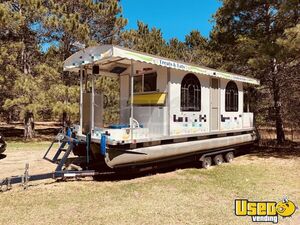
(66, 145)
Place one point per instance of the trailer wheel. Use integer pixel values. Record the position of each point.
(229, 157)
(218, 159)
(206, 163)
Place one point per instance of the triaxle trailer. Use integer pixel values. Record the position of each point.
(84, 168)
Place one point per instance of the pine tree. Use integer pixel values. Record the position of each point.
(290, 61)
(246, 34)
(86, 22)
(195, 49)
(145, 39)
(18, 20)
(10, 48)
(199, 50)
(32, 80)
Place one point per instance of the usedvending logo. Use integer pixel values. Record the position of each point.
(265, 211)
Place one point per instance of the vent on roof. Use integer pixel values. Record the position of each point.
(118, 69)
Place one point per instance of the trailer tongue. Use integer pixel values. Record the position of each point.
(66, 145)
(6, 184)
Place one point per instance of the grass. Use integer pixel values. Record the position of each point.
(25, 145)
(184, 196)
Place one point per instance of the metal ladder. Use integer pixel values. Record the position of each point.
(66, 145)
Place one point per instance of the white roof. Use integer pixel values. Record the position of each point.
(99, 53)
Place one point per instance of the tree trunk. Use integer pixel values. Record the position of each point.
(8, 117)
(29, 130)
(277, 106)
(278, 118)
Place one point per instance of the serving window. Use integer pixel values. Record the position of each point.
(145, 83)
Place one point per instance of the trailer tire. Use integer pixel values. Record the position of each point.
(206, 163)
(229, 156)
(218, 159)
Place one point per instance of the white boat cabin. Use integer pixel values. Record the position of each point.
(160, 98)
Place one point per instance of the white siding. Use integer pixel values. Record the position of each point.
(233, 120)
(193, 125)
(160, 120)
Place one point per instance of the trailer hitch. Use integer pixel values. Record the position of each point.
(8, 181)
(5, 183)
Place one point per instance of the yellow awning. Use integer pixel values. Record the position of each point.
(149, 99)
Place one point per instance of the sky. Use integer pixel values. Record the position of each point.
(175, 18)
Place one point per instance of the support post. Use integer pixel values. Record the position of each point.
(93, 104)
(88, 148)
(131, 100)
(25, 177)
(169, 101)
(81, 100)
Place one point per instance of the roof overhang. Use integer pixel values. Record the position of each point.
(109, 53)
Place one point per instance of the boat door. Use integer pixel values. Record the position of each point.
(214, 104)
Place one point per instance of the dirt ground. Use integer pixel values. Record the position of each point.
(13, 160)
(188, 195)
